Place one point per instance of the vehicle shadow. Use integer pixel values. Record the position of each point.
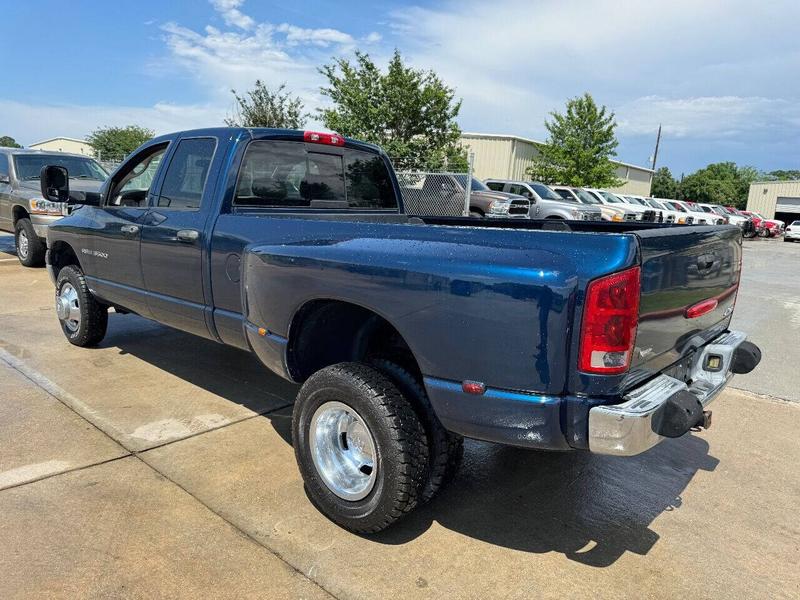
(590, 508)
(7, 247)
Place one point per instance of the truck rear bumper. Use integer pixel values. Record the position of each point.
(667, 407)
(647, 415)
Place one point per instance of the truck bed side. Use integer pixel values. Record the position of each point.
(493, 305)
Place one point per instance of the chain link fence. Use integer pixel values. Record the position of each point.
(109, 163)
(434, 193)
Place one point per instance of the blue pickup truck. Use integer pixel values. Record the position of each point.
(407, 332)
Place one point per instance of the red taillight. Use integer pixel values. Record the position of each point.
(316, 137)
(610, 317)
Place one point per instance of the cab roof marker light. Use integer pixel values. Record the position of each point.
(318, 137)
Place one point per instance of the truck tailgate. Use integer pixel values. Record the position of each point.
(682, 268)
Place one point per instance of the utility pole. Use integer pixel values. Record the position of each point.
(658, 140)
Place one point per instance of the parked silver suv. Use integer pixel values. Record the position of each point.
(545, 203)
(23, 211)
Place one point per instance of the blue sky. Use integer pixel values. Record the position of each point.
(723, 77)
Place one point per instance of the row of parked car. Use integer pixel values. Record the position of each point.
(566, 202)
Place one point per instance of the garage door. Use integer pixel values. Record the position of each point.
(788, 205)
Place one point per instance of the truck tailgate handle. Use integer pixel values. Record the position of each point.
(188, 235)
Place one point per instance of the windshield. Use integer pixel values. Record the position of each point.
(585, 196)
(611, 198)
(719, 210)
(705, 208)
(636, 201)
(655, 204)
(795, 223)
(477, 185)
(30, 165)
(677, 207)
(544, 192)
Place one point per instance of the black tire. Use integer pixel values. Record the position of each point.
(445, 449)
(30, 249)
(475, 214)
(91, 328)
(400, 446)
(764, 233)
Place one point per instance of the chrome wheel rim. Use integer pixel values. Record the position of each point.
(22, 244)
(68, 307)
(343, 450)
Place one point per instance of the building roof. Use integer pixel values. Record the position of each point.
(503, 136)
(60, 137)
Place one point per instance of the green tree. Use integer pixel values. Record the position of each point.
(782, 175)
(263, 107)
(115, 143)
(719, 183)
(7, 141)
(664, 184)
(580, 145)
(410, 113)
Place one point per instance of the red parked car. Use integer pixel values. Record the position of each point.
(765, 227)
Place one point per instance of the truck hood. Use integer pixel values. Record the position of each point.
(75, 185)
(492, 195)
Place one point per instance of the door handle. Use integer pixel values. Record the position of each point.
(188, 235)
(129, 230)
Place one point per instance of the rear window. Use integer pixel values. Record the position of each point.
(279, 174)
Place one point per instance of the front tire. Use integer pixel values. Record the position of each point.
(360, 447)
(30, 249)
(83, 319)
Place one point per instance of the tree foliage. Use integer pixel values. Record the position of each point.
(664, 184)
(719, 183)
(6, 141)
(263, 107)
(410, 113)
(782, 175)
(580, 145)
(117, 142)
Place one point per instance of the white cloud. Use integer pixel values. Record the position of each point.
(318, 37)
(229, 9)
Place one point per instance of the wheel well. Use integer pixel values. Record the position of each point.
(476, 209)
(326, 332)
(19, 213)
(555, 217)
(62, 255)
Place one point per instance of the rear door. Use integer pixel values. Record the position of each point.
(694, 268)
(174, 235)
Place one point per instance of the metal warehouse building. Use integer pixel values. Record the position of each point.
(508, 156)
(775, 199)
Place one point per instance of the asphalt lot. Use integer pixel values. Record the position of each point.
(160, 465)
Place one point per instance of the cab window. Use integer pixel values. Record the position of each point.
(186, 175)
(278, 174)
(131, 186)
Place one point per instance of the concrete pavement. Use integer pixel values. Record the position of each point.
(160, 465)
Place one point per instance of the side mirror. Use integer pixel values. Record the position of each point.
(54, 182)
(5, 179)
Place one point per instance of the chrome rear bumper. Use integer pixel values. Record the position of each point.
(627, 429)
